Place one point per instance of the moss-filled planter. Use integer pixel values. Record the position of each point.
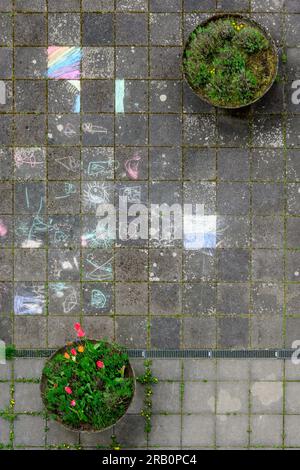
(88, 385)
(230, 61)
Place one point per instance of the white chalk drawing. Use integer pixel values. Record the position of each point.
(69, 295)
(95, 193)
(69, 162)
(132, 193)
(99, 272)
(90, 128)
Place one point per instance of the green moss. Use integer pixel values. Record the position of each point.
(229, 62)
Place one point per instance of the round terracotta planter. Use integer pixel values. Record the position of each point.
(252, 23)
(129, 373)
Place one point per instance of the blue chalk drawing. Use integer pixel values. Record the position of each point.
(119, 95)
(98, 299)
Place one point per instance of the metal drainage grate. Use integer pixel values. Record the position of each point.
(181, 353)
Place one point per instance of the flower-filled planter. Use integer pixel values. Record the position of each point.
(230, 61)
(88, 385)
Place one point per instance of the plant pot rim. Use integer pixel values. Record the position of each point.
(216, 17)
(61, 350)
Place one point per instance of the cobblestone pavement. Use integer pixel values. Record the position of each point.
(198, 404)
(95, 107)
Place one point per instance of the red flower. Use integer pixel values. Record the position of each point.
(73, 403)
(68, 390)
(73, 352)
(80, 332)
(100, 364)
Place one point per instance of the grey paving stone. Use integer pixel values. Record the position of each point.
(165, 333)
(232, 431)
(198, 431)
(232, 397)
(165, 299)
(269, 5)
(131, 29)
(233, 164)
(36, 425)
(131, 298)
(227, 369)
(130, 431)
(291, 431)
(267, 265)
(268, 232)
(6, 5)
(199, 332)
(165, 62)
(233, 299)
(6, 330)
(4, 432)
(57, 434)
(6, 59)
(292, 398)
(30, 29)
(266, 430)
(31, 5)
(5, 395)
(166, 398)
(233, 130)
(165, 431)
(30, 332)
(97, 62)
(267, 298)
(199, 266)
(95, 439)
(233, 232)
(167, 369)
(293, 265)
(267, 198)
(98, 327)
(267, 331)
(233, 199)
(27, 397)
(293, 167)
(233, 265)
(199, 130)
(131, 62)
(233, 5)
(28, 368)
(266, 397)
(165, 29)
(69, 5)
(266, 370)
(98, 29)
(199, 369)
(199, 299)
(292, 6)
(233, 333)
(192, 392)
(6, 30)
(134, 5)
(132, 334)
(199, 164)
(193, 5)
(6, 371)
(98, 5)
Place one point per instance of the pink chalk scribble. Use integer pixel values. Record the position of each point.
(3, 229)
(132, 167)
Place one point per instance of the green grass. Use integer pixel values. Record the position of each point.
(229, 62)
